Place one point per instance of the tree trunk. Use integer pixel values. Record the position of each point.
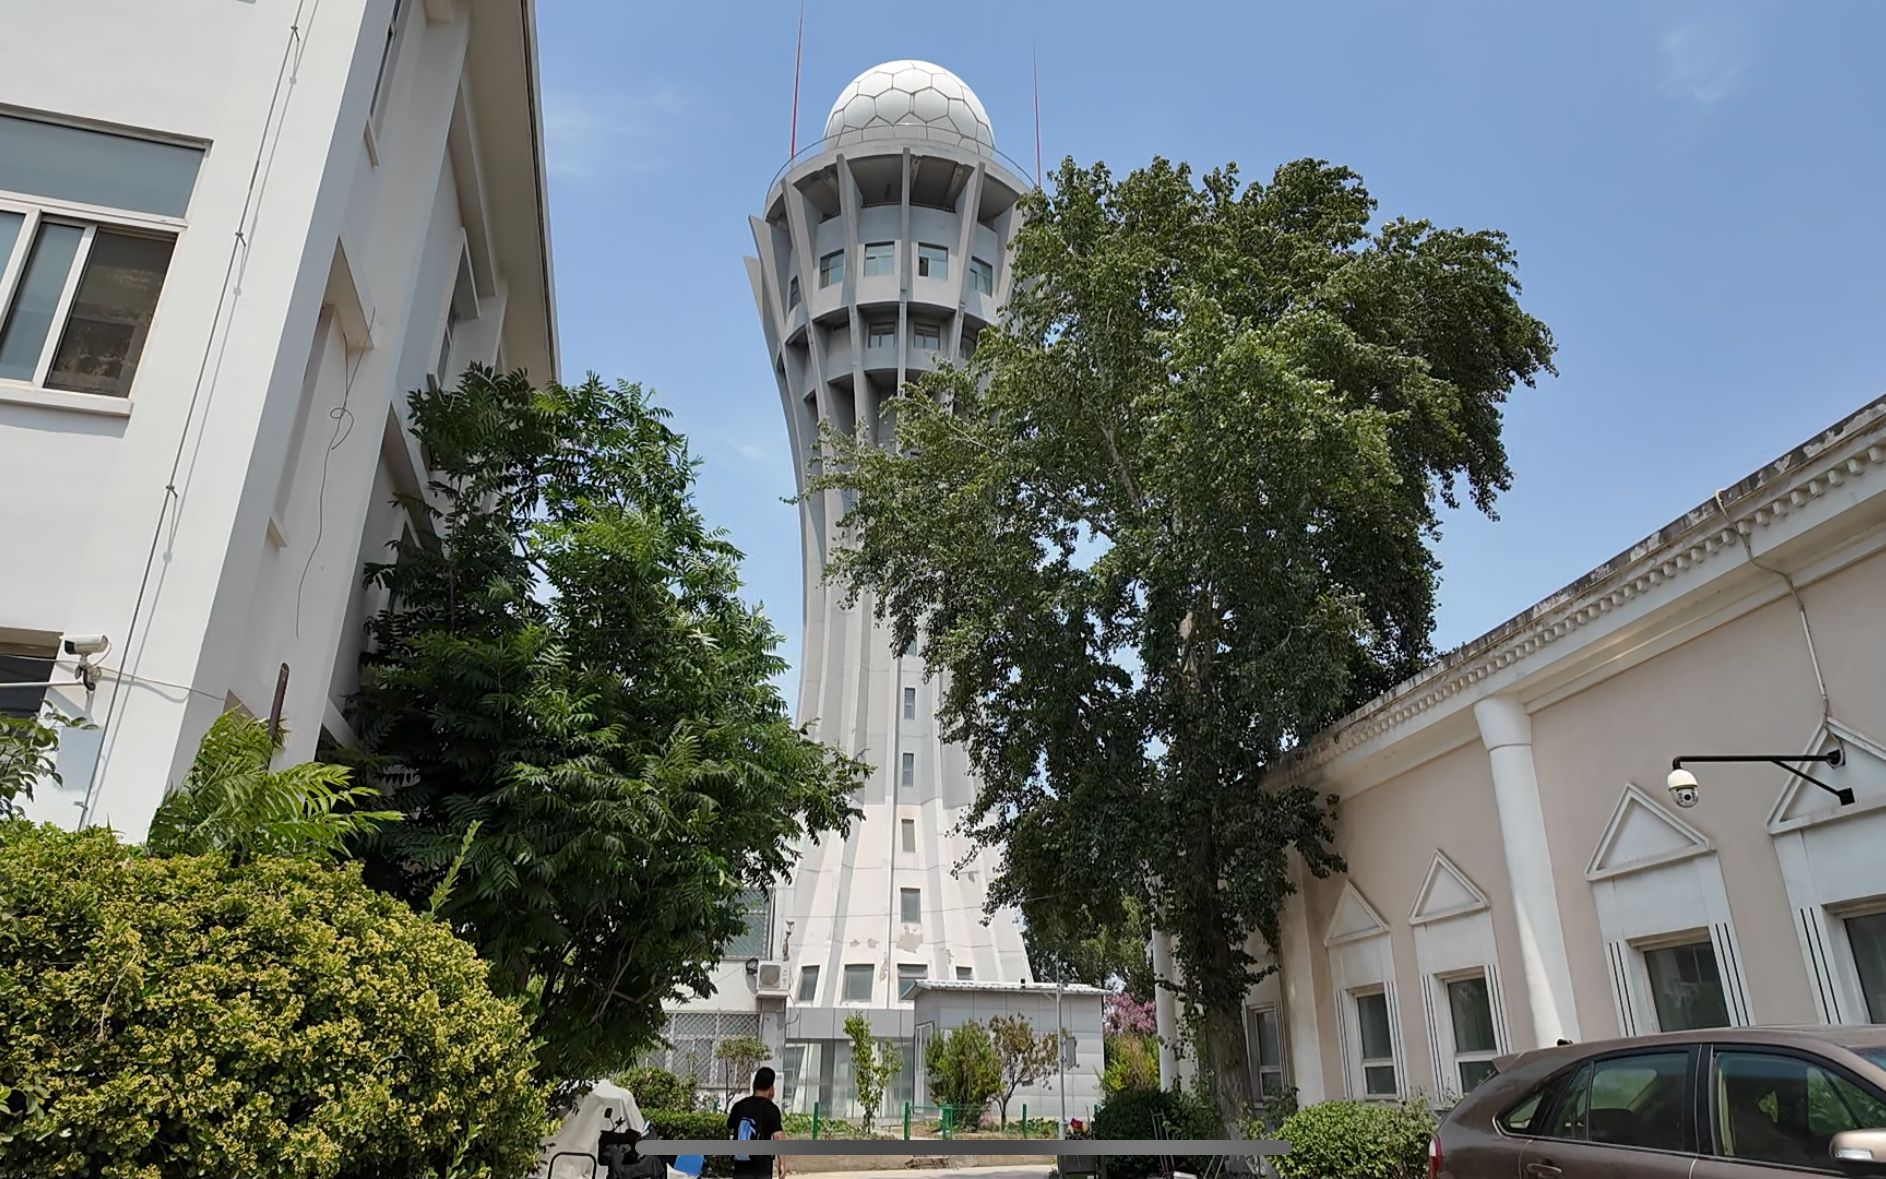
(1227, 1052)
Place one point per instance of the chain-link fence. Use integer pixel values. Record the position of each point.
(691, 1039)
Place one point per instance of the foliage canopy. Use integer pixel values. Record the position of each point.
(1173, 520)
(573, 668)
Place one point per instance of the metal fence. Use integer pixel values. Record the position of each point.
(691, 1039)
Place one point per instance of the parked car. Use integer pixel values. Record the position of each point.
(1730, 1103)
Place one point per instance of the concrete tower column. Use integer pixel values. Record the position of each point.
(1506, 731)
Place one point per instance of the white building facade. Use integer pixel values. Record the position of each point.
(882, 252)
(232, 237)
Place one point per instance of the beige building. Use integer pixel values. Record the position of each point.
(1518, 870)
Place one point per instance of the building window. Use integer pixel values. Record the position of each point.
(965, 974)
(907, 770)
(755, 941)
(24, 664)
(881, 334)
(808, 983)
(389, 59)
(1265, 1032)
(1378, 1052)
(910, 905)
(1867, 936)
(1785, 1110)
(858, 982)
(929, 337)
(932, 261)
(879, 258)
(78, 291)
(909, 829)
(1686, 986)
(910, 704)
(1470, 1010)
(909, 974)
(981, 277)
(832, 268)
(792, 293)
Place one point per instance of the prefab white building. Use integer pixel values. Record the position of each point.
(232, 237)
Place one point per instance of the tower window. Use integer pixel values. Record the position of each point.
(907, 771)
(929, 337)
(910, 704)
(808, 983)
(878, 258)
(832, 268)
(858, 982)
(881, 334)
(965, 974)
(909, 974)
(981, 277)
(792, 293)
(932, 261)
(909, 830)
(910, 906)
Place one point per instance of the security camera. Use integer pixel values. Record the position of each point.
(86, 646)
(1682, 786)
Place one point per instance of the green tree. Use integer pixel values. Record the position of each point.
(1024, 1057)
(964, 1070)
(1113, 955)
(29, 749)
(1173, 520)
(873, 1066)
(568, 661)
(232, 802)
(189, 1015)
(742, 1055)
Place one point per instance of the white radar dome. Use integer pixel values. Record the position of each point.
(909, 97)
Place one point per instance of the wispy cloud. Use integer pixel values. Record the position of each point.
(596, 133)
(1706, 61)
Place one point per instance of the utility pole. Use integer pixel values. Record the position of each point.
(1060, 1051)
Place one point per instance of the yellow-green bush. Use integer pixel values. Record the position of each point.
(1356, 1140)
(179, 1016)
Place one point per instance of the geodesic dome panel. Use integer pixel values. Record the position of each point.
(909, 97)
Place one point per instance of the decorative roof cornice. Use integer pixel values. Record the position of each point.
(1849, 450)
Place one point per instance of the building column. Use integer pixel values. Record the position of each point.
(1303, 1038)
(1165, 1010)
(1506, 731)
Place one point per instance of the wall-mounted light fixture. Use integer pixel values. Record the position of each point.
(1684, 789)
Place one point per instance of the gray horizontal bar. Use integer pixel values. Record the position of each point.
(932, 1147)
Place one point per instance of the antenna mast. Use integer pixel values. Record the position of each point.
(798, 50)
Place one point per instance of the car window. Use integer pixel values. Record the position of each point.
(1568, 1115)
(1528, 1117)
(1785, 1110)
(1638, 1100)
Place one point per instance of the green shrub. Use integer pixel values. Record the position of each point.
(1132, 1063)
(1356, 1140)
(657, 1088)
(695, 1124)
(180, 1016)
(1135, 1113)
(965, 1072)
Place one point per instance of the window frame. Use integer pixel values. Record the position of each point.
(907, 770)
(1254, 1041)
(1562, 1085)
(924, 261)
(907, 982)
(887, 254)
(793, 293)
(808, 973)
(24, 655)
(907, 899)
(1365, 1062)
(880, 333)
(981, 277)
(89, 219)
(1643, 948)
(1846, 915)
(910, 703)
(1702, 1106)
(907, 836)
(1445, 999)
(917, 330)
(965, 974)
(832, 269)
(851, 970)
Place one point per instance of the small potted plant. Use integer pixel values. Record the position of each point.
(1070, 1166)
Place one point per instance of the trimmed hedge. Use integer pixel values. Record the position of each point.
(1356, 1140)
(657, 1088)
(180, 1016)
(695, 1124)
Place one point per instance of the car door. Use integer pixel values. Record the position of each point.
(1772, 1111)
(1627, 1114)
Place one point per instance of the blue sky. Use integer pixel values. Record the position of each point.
(1694, 187)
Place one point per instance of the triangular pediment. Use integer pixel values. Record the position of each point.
(1863, 770)
(1643, 834)
(1354, 918)
(1445, 893)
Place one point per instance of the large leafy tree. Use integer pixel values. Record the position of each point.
(572, 668)
(1173, 520)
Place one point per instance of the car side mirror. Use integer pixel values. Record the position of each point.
(1860, 1152)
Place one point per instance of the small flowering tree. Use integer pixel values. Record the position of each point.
(1123, 1015)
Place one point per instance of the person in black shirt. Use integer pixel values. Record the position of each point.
(756, 1119)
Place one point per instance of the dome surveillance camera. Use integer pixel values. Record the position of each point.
(86, 645)
(1682, 786)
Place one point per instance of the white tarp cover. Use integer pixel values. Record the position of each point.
(607, 1106)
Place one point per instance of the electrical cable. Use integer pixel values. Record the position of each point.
(1807, 630)
(232, 275)
(342, 417)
